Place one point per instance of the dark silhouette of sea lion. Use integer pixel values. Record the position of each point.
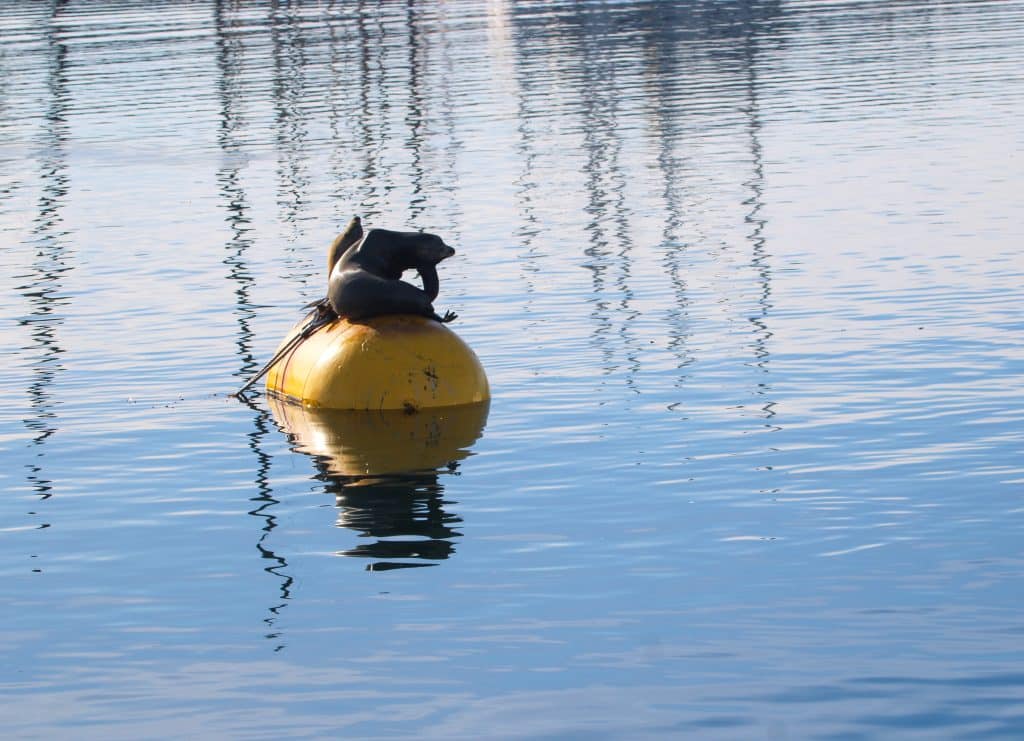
(352, 233)
(365, 280)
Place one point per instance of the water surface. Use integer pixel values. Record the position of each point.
(746, 278)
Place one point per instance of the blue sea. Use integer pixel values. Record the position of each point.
(746, 277)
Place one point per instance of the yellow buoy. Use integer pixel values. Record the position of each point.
(387, 362)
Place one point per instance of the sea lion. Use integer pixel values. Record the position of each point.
(365, 281)
(352, 234)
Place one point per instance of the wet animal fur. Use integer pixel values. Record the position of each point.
(365, 280)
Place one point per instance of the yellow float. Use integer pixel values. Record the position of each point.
(375, 342)
(397, 362)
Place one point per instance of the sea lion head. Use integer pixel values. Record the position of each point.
(387, 253)
(431, 249)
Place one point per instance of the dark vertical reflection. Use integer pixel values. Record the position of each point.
(10, 182)
(759, 260)
(370, 110)
(383, 99)
(265, 502)
(447, 113)
(229, 65)
(610, 242)
(288, 90)
(49, 238)
(403, 516)
(662, 62)
(581, 32)
(341, 109)
(690, 52)
(753, 218)
(414, 115)
(527, 188)
(230, 55)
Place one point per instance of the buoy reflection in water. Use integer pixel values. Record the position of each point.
(384, 469)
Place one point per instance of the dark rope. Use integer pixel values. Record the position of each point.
(322, 319)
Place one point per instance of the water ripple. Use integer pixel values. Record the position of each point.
(745, 279)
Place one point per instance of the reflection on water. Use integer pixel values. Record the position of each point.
(264, 504)
(760, 260)
(49, 242)
(745, 277)
(232, 190)
(384, 470)
(637, 72)
(392, 509)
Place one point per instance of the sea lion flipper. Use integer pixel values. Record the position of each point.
(431, 284)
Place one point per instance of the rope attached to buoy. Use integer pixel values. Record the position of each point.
(324, 316)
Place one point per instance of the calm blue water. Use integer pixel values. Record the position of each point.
(747, 280)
